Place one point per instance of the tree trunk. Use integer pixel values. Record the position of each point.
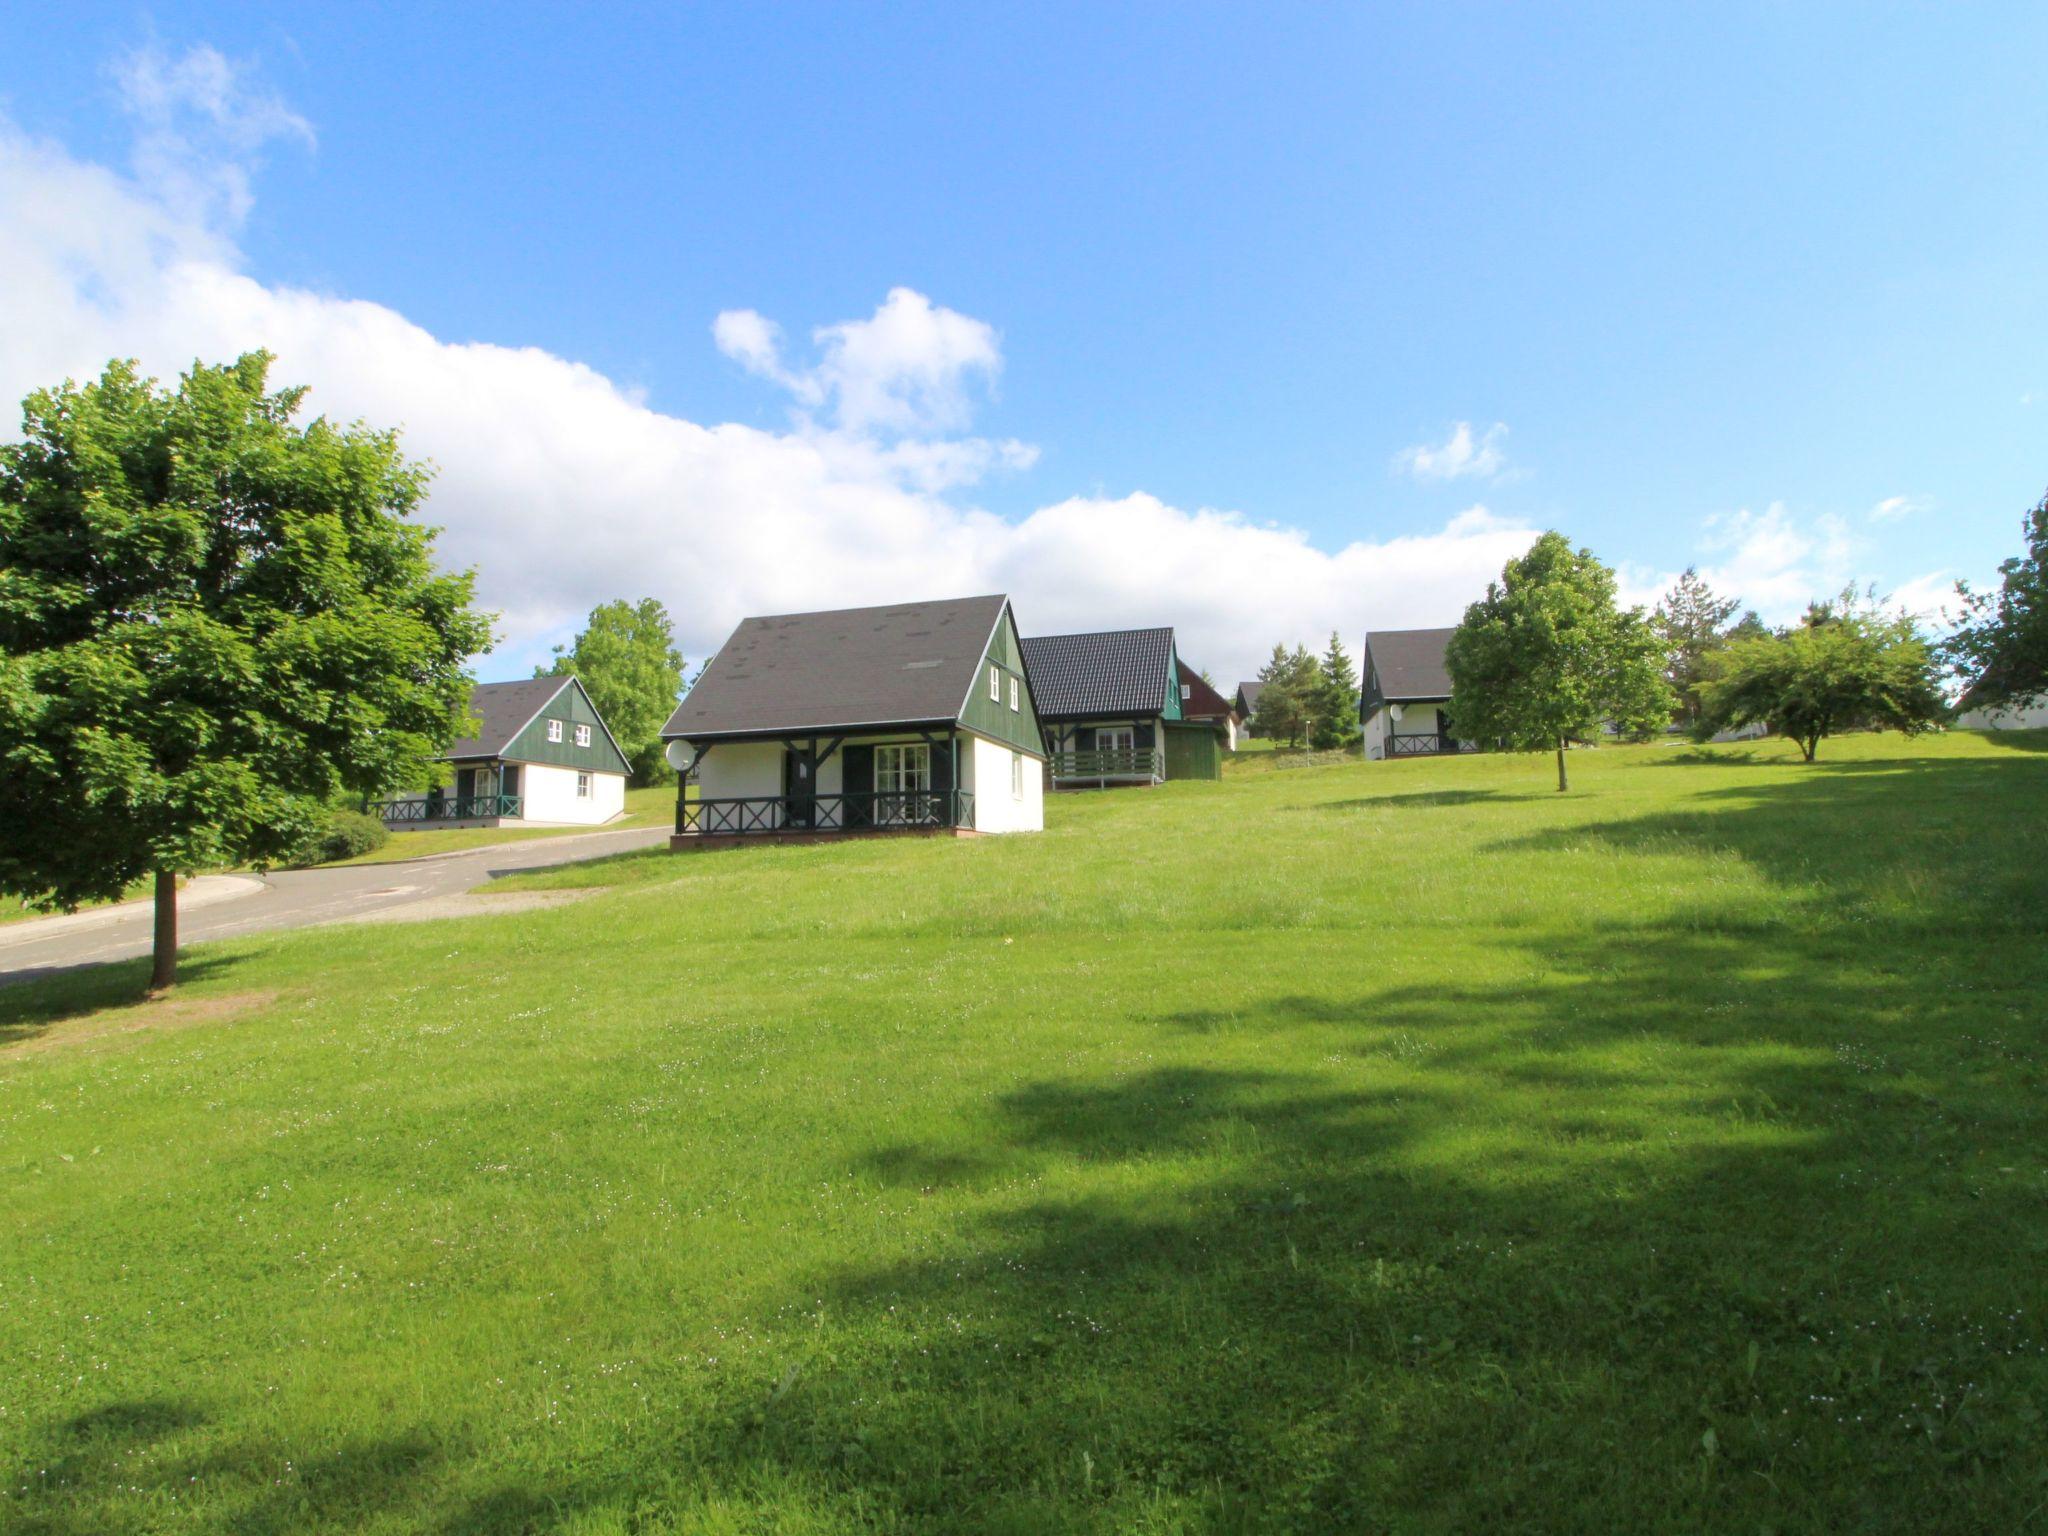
(1810, 746)
(164, 970)
(1563, 783)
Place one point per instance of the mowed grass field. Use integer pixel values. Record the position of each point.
(1355, 1147)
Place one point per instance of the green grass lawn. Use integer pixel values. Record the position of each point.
(654, 806)
(1373, 1146)
(14, 910)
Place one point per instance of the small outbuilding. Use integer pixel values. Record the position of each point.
(541, 755)
(912, 718)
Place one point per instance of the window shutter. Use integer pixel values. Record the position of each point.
(942, 768)
(1142, 737)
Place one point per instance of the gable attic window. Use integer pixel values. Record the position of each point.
(582, 735)
(1013, 693)
(995, 685)
(554, 730)
(1186, 693)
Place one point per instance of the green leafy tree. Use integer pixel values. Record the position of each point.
(212, 621)
(1848, 665)
(1691, 621)
(1546, 657)
(627, 658)
(2001, 645)
(1335, 720)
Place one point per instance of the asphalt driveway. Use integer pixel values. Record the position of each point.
(301, 898)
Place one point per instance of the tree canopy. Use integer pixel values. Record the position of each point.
(1847, 665)
(1288, 698)
(212, 620)
(626, 658)
(1547, 657)
(1691, 620)
(2001, 645)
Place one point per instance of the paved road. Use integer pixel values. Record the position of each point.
(297, 899)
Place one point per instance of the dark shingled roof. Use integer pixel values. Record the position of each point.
(1115, 672)
(1248, 696)
(1409, 663)
(504, 709)
(906, 664)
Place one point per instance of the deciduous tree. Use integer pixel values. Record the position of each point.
(1847, 665)
(627, 658)
(1547, 657)
(2001, 645)
(212, 619)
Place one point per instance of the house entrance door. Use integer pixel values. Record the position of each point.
(799, 789)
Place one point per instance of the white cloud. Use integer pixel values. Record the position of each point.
(1892, 508)
(911, 367)
(1458, 456)
(564, 489)
(200, 126)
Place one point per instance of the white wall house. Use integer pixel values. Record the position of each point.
(541, 756)
(1404, 699)
(913, 718)
(2019, 715)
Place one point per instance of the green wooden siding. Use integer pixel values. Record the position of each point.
(572, 707)
(994, 718)
(1193, 752)
(1172, 710)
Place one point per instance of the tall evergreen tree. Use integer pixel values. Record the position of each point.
(626, 657)
(1285, 696)
(1546, 657)
(1335, 722)
(212, 619)
(1691, 620)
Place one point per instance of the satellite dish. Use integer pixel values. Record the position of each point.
(679, 756)
(1393, 710)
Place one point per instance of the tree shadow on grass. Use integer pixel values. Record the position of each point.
(32, 1001)
(2017, 741)
(89, 1469)
(1422, 800)
(1694, 1225)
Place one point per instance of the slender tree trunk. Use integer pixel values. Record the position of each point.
(164, 970)
(1563, 783)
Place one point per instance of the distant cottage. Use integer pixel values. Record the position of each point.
(1405, 698)
(541, 755)
(917, 717)
(1113, 703)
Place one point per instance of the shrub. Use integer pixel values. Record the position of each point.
(341, 835)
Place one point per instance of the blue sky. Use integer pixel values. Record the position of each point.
(1757, 287)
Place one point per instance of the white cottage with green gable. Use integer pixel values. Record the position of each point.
(916, 717)
(541, 755)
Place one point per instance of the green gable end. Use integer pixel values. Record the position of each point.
(572, 707)
(994, 718)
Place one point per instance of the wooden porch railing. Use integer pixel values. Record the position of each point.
(1425, 744)
(449, 808)
(881, 810)
(1113, 763)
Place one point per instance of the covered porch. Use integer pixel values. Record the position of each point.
(484, 794)
(801, 789)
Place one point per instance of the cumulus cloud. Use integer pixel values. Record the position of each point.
(1460, 455)
(564, 489)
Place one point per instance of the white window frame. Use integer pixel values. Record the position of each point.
(1186, 693)
(902, 769)
(1126, 735)
(554, 730)
(1013, 694)
(1016, 775)
(582, 786)
(582, 735)
(995, 684)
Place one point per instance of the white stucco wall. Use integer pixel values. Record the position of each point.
(548, 793)
(2025, 715)
(985, 771)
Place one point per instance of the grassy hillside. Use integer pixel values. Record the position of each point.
(1342, 1147)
